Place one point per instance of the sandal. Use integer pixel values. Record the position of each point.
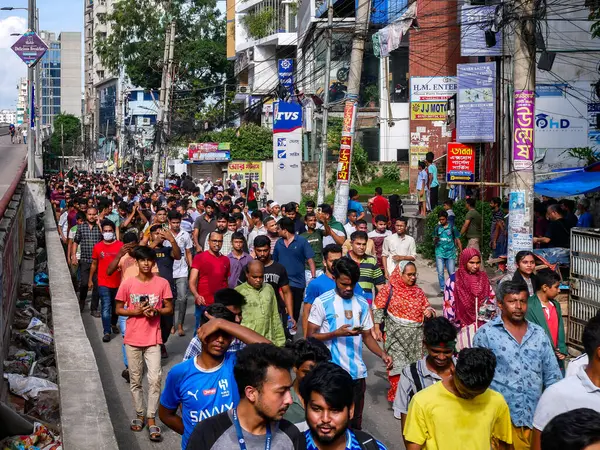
(137, 424)
(155, 433)
(181, 332)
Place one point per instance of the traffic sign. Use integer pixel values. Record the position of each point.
(30, 48)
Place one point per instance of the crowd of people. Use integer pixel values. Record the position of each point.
(278, 294)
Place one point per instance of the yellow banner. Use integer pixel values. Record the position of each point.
(239, 170)
(428, 111)
(230, 5)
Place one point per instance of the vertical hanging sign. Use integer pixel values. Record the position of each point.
(523, 124)
(287, 151)
(286, 75)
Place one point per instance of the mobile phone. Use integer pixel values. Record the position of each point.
(357, 328)
(318, 210)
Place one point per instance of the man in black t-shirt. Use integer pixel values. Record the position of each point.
(275, 275)
(558, 233)
(165, 257)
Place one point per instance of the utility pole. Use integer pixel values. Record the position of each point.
(30, 99)
(521, 180)
(225, 105)
(342, 187)
(39, 169)
(323, 158)
(62, 147)
(158, 140)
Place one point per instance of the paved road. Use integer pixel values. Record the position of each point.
(11, 157)
(378, 417)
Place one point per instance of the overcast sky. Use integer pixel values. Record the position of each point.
(55, 16)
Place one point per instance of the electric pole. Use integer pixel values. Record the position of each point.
(521, 179)
(323, 158)
(163, 98)
(342, 187)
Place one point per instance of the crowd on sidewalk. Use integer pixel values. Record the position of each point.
(258, 273)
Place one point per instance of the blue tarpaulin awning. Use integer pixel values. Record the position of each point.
(575, 183)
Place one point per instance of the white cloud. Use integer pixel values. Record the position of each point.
(11, 66)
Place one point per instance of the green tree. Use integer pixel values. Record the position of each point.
(360, 159)
(248, 142)
(67, 129)
(136, 44)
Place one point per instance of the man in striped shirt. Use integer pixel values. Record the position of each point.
(371, 275)
(343, 321)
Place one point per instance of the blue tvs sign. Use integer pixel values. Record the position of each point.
(287, 117)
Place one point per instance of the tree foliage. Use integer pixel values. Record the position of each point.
(136, 44)
(249, 142)
(67, 129)
(360, 158)
(595, 18)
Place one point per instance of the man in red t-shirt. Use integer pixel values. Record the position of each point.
(379, 206)
(210, 271)
(103, 254)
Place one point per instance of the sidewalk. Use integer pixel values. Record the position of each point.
(428, 281)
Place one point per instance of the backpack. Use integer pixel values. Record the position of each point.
(416, 379)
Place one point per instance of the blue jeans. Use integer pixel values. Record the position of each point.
(440, 264)
(198, 313)
(122, 327)
(107, 304)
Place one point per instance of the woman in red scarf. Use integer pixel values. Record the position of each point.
(402, 306)
(469, 300)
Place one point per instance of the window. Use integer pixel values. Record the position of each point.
(148, 96)
(402, 155)
(100, 74)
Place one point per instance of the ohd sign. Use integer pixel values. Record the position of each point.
(287, 151)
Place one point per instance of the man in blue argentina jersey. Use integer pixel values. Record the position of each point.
(204, 386)
(327, 392)
(343, 321)
(324, 282)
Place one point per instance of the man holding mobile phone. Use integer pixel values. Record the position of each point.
(342, 305)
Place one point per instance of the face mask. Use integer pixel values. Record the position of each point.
(108, 236)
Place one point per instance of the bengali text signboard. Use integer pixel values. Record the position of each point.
(287, 151)
(523, 123)
(476, 102)
(461, 163)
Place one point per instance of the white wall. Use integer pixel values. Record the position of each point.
(264, 74)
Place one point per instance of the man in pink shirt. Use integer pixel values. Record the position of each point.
(210, 272)
(143, 299)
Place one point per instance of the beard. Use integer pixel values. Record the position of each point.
(314, 431)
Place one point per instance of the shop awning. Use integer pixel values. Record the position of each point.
(584, 181)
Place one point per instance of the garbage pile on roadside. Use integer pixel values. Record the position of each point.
(30, 367)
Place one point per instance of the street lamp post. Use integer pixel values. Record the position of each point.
(31, 134)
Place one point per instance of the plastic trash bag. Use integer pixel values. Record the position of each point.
(41, 439)
(40, 331)
(28, 387)
(19, 361)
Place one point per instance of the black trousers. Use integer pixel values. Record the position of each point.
(166, 322)
(84, 276)
(433, 196)
(298, 298)
(359, 388)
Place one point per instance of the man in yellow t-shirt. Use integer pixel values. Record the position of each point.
(461, 412)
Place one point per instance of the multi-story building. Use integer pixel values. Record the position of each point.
(8, 116)
(259, 34)
(22, 108)
(61, 75)
(100, 94)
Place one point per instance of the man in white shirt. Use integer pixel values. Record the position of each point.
(397, 247)
(350, 313)
(181, 268)
(581, 390)
(350, 226)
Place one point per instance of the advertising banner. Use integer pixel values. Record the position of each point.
(593, 129)
(560, 118)
(286, 74)
(524, 106)
(244, 170)
(209, 152)
(30, 48)
(474, 21)
(428, 110)
(287, 151)
(461, 163)
(476, 102)
(432, 89)
(348, 123)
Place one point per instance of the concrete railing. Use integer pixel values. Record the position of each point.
(85, 421)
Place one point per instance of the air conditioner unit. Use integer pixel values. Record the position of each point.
(243, 90)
